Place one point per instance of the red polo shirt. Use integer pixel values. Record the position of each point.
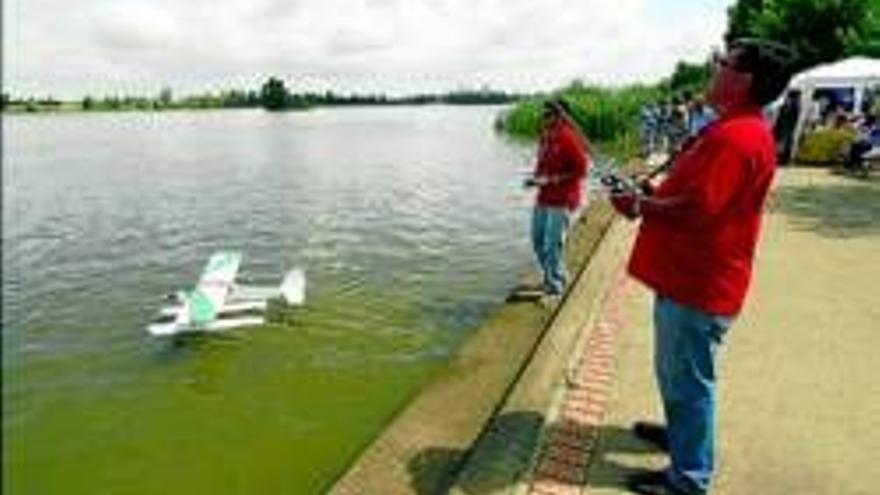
(697, 239)
(562, 153)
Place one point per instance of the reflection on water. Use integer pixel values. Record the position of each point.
(407, 221)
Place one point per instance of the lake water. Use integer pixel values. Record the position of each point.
(407, 220)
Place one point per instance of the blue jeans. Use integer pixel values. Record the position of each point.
(549, 225)
(685, 344)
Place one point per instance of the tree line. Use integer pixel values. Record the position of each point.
(272, 95)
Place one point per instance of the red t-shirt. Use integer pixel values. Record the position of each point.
(562, 153)
(697, 239)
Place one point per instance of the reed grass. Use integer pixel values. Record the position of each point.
(609, 117)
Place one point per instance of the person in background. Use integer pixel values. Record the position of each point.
(678, 124)
(868, 138)
(785, 124)
(841, 119)
(699, 115)
(695, 248)
(649, 123)
(561, 166)
(816, 111)
(664, 125)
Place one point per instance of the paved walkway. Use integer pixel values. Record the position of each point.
(799, 398)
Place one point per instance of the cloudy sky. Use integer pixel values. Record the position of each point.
(72, 48)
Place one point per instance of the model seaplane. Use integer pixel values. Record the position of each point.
(218, 303)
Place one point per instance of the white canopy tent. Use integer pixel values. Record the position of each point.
(856, 72)
(853, 75)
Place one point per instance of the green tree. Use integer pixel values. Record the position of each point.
(274, 95)
(688, 77)
(166, 97)
(818, 30)
(865, 39)
(6, 100)
(88, 103)
(740, 17)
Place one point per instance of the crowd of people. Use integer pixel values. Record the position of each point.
(664, 126)
(852, 134)
(863, 127)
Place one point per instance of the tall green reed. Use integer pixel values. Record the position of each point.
(608, 117)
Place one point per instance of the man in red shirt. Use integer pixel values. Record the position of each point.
(695, 248)
(559, 174)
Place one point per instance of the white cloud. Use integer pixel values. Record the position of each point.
(135, 25)
(370, 45)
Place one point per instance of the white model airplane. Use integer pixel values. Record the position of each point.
(218, 303)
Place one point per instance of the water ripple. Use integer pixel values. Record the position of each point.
(400, 219)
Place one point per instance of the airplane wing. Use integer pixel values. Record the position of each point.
(202, 305)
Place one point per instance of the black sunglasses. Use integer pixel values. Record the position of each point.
(724, 60)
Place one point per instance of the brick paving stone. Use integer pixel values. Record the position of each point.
(570, 441)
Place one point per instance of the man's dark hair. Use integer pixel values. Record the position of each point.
(769, 63)
(557, 106)
(564, 105)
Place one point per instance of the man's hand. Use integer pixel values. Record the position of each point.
(626, 203)
(646, 187)
(536, 181)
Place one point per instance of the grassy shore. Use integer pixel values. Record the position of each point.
(608, 117)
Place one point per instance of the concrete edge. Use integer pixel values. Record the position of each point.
(424, 448)
(509, 449)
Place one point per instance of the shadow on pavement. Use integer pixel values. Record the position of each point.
(832, 210)
(504, 455)
(499, 459)
(433, 470)
(608, 467)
